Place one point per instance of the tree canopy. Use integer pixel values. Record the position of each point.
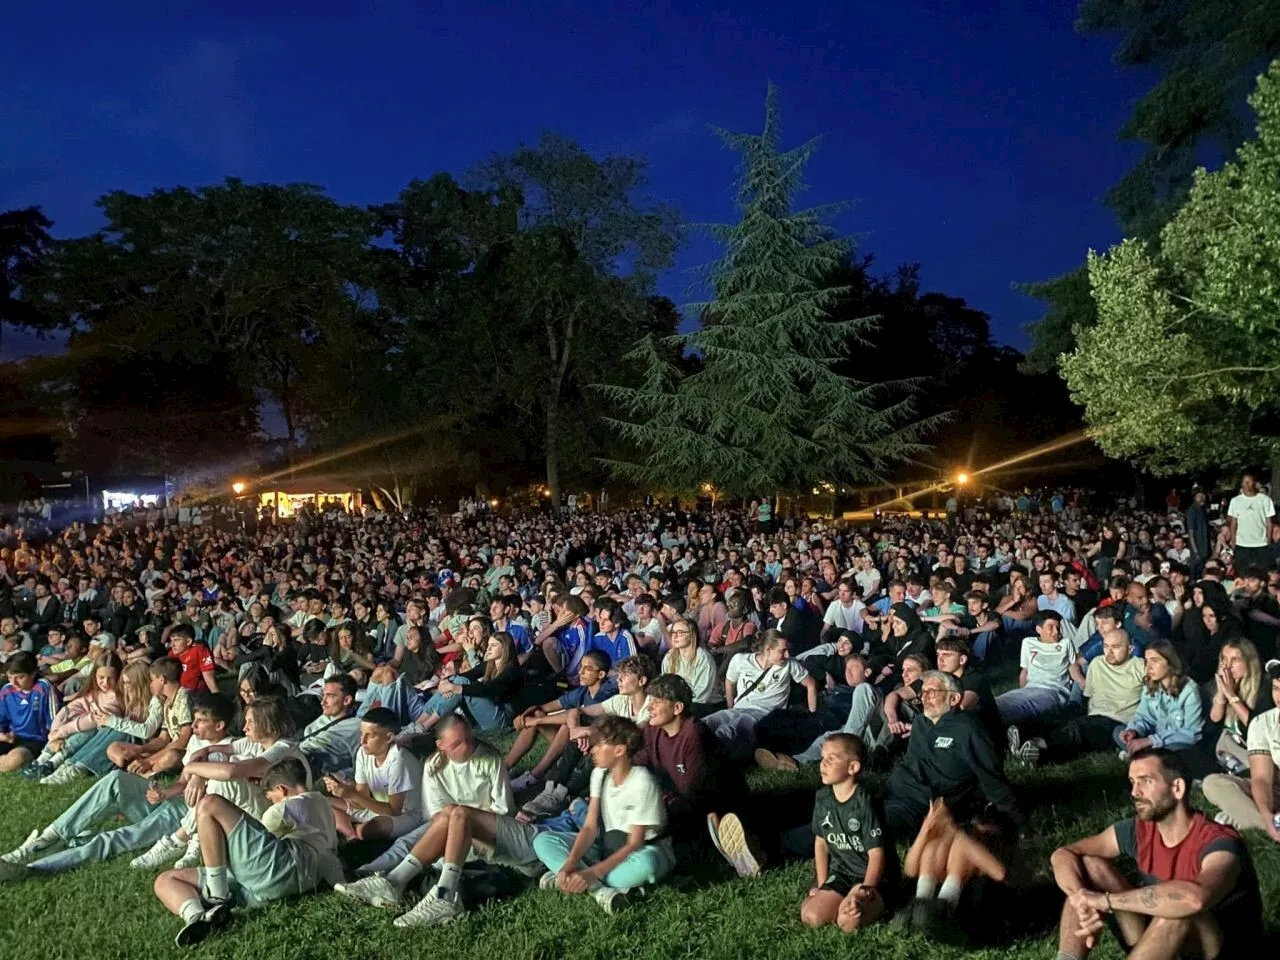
(767, 409)
(1182, 371)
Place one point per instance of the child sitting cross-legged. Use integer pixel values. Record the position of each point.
(856, 869)
(291, 851)
(621, 845)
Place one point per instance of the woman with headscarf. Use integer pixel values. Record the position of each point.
(902, 634)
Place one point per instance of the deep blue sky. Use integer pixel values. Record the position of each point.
(976, 138)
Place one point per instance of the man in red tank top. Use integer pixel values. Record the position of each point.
(1198, 894)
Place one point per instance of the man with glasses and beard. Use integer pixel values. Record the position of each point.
(1198, 893)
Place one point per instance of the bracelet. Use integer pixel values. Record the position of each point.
(1233, 700)
(1110, 909)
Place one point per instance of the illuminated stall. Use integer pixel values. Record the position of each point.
(286, 502)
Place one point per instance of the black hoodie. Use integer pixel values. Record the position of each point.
(952, 759)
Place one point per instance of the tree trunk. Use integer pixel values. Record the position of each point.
(553, 463)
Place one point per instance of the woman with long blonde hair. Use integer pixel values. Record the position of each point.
(109, 692)
(1237, 686)
(689, 659)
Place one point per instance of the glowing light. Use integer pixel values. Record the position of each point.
(493, 502)
(962, 478)
(238, 487)
(707, 488)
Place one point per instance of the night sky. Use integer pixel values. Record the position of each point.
(976, 138)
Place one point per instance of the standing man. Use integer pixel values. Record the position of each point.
(1198, 889)
(1250, 517)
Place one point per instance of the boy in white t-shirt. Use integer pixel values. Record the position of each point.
(755, 685)
(621, 844)
(291, 851)
(385, 799)
(1049, 667)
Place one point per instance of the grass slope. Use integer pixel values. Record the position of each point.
(107, 910)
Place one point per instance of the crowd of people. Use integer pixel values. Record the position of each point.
(255, 703)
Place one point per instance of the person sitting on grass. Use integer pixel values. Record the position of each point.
(755, 685)
(148, 747)
(1197, 890)
(329, 742)
(385, 799)
(1113, 686)
(551, 720)
(1048, 662)
(1170, 714)
(454, 833)
(462, 772)
(903, 705)
(566, 778)
(691, 660)
(856, 866)
(949, 755)
(486, 691)
(151, 812)
(231, 772)
(1252, 803)
(80, 734)
(291, 851)
(621, 845)
(947, 861)
(28, 705)
(864, 719)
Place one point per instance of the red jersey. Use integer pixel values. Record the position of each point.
(196, 661)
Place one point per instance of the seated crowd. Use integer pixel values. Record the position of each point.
(252, 705)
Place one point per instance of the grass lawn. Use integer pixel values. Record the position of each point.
(107, 910)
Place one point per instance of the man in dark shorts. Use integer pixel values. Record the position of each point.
(1198, 895)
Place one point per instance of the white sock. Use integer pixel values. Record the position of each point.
(926, 887)
(450, 876)
(403, 873)
(191, 910)
(951, 888)
(216, 884)
(49, 835)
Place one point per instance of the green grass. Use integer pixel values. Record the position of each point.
(107, 910)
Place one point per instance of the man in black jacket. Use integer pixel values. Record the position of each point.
(949, 755)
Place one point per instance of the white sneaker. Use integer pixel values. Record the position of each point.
(375, 890)
(524, 781)
(161, 854)
(191, 856)
(610, 899)
(547, 881)
(1221, 818)
(28, 849)
(67, 773)
(432, 909)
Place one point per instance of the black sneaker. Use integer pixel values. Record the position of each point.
(902, 919)
(935, 919)
(193, 932)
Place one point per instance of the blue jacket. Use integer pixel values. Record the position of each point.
(1171, 722)
(30, 714)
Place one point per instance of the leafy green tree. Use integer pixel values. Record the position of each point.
(768, 409)
(1206, 55)
(1182, 371)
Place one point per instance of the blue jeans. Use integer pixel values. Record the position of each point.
(92, 754)
(1025, 703)
(866, 700)
(399, 697)
(487, 714)
(649, 864)
(736, 729)
(121, 792)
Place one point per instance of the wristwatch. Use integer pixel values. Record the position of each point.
(1233, 700)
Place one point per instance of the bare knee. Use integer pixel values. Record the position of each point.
(815, 913)
(209, 806)
(1102, 873)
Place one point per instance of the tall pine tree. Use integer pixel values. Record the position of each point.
(768, 409)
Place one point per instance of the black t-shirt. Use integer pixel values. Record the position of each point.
(851, 829)
(987, 712)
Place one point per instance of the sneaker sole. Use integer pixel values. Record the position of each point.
(713, 828)
(197, 931)
(733, 843)
(397, 922)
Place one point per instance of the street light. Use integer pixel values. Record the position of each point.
(962, 478)
(238, 487)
